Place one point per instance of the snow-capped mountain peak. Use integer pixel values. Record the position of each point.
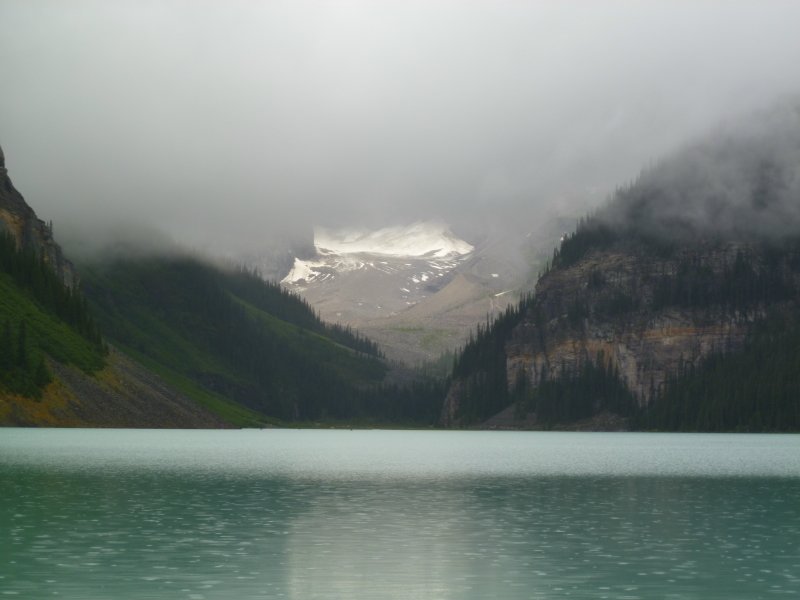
(420, 251)
(417, 289)
(418, 239)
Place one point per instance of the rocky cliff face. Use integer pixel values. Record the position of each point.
(30, 232)
(646, 315)
(606, 307)
(677, 266)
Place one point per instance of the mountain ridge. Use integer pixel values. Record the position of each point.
(178, 341)
(31, 233)
(645, 294)
(416, 289)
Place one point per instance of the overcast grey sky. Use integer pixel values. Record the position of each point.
(234, 120)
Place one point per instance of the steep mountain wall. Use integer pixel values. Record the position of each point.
(30, 232)
(644, 314)
(605, 308)
(676, 267)
(123, 394)
(417, 290)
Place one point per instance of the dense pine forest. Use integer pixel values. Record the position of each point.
(228, 332)
(219, 335)
(39, 317)
(31, 273)
(710, 235)
(757, 389)
(595, 388)
(481, 365)
(281, 303)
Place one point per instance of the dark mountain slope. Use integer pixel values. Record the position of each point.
(42, 313)
(30, 233)
(203, 346)
(230, 334)
(657, 294)
(55, 369)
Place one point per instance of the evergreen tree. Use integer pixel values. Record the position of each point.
(6, 347)
(41, 376)
(22, 347)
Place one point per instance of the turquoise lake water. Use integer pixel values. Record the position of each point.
(90, 514)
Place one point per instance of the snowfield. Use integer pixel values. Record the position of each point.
(344, 251)
(418, 239)
(417, 290)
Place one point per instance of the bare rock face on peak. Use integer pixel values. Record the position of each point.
(19, 220)
(697, 262)
(417, 289)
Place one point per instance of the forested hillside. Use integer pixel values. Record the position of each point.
(42, 313)
(675, 306)
(173, 341)
(222, 333)
(40, 317)
(755, 389)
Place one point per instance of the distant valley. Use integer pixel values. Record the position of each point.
(417, 289)
(673, 306)
(165, 338)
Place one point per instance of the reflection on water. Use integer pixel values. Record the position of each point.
(318, 514)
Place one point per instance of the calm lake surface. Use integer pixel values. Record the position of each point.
(300, 514)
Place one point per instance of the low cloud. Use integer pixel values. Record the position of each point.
(741, 179)
(239, 125)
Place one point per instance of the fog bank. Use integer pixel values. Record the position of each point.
(233, 125)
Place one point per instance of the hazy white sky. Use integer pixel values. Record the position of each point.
(236, 120)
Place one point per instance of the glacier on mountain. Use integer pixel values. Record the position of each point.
(423, 238)
(429, 245)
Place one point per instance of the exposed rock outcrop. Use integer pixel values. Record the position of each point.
(644, 315)
(30, 232)
(606, 308)
(123, 394)
(677, 266)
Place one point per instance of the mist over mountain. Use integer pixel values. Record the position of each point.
(673, 306)
(237, 128)
(318, 141)
(742, 180)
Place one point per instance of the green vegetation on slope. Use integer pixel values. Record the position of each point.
(481, 366)
(285, 306)
(596, 387)
(754, 390)
(712, 231)
(31, 273)
(757, 389)
(39, 317)
(233, 335)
